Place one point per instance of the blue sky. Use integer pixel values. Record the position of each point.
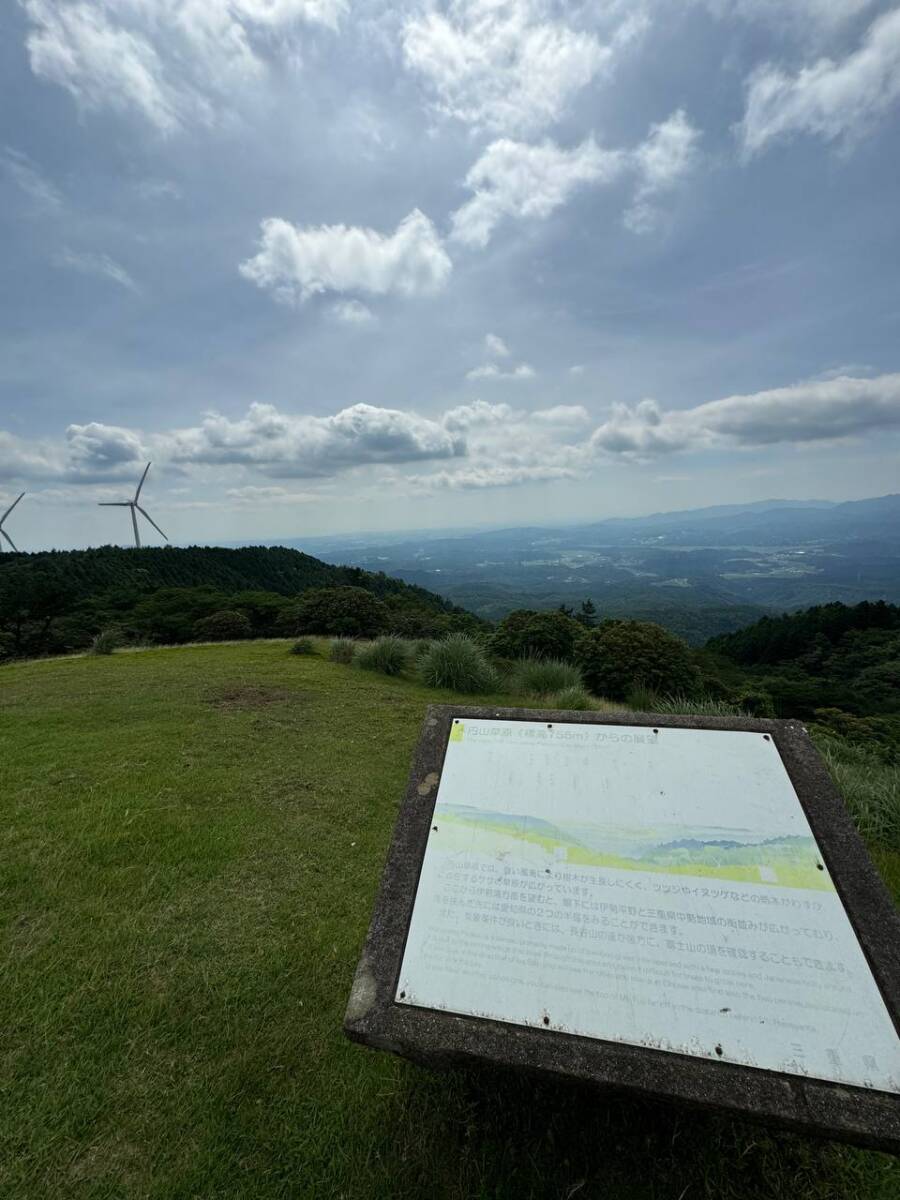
(337, 266)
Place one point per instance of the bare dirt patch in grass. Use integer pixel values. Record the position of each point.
(244, 697)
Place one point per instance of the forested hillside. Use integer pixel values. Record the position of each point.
(267, 568)
(58, 601)
(835, 664)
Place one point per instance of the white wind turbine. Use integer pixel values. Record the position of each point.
(3, 533)
(133, 504)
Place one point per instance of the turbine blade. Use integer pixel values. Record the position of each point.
(113, 503)
(150, 519)
(9, 539)
(137, 536)
(11, 507)
(141, 484)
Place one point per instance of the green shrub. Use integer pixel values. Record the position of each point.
(422, 646)
(106, 641)
(224, 626)
(457, 662)
(571, 698)
(303, 646)
(619, 656)
(879, 735)
(642, 699)
(342, 650)
(542, 676)
(756, 703)
(389, 655)
(715, 689)
(528, 634)
(342, 611)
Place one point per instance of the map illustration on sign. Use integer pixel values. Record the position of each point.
(711, 851)
(661, 888)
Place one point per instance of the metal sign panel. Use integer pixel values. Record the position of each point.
(658, 887)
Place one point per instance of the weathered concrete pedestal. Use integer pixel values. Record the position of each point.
(676, 906)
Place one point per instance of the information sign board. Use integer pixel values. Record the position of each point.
(657, 886)
(676, 905)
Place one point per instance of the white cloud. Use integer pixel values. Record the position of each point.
(488, 476)
(22, 459)
(508, 446)
(283, 12)
(662, 162)
(297, 262)
(831, 100)
(479, 412)
(101, 265)
(845, 369)
(264, 497)
(171, 62)
(495, 346)
(101, 63)
(513, 179)
(577, 369)
(802, 413)
(563, 414)
(352, 312)
(521, 181)
(476, 445)
(285, 445)
(494, 445)
(28, 178)
(97, 447)
(507, 66)
(492, 371)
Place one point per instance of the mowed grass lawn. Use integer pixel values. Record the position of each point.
(191, 842)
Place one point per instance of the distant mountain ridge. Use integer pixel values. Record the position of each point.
(699, 572)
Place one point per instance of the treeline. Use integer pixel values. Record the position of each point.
(835, 665)
(264, 568)
(56, 602)
(795, 635)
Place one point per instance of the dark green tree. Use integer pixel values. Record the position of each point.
(170, 614)
(341, 612)
(619, 656)
(31, 599)
(226, 625)
(587, 614)
(525, 633)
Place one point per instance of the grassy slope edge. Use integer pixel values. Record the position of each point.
(190, 847)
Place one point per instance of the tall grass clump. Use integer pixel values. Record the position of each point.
(640, 698)
(870, 787)
(543, 676)
(342, 650)
(389, 655)
(457, 662)
(696, 706)
(106, 642)
(571, 698)
(303, 645)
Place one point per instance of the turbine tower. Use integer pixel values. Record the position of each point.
(133, 504)
(3, 533)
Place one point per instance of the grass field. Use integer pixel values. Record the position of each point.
(191, 841)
